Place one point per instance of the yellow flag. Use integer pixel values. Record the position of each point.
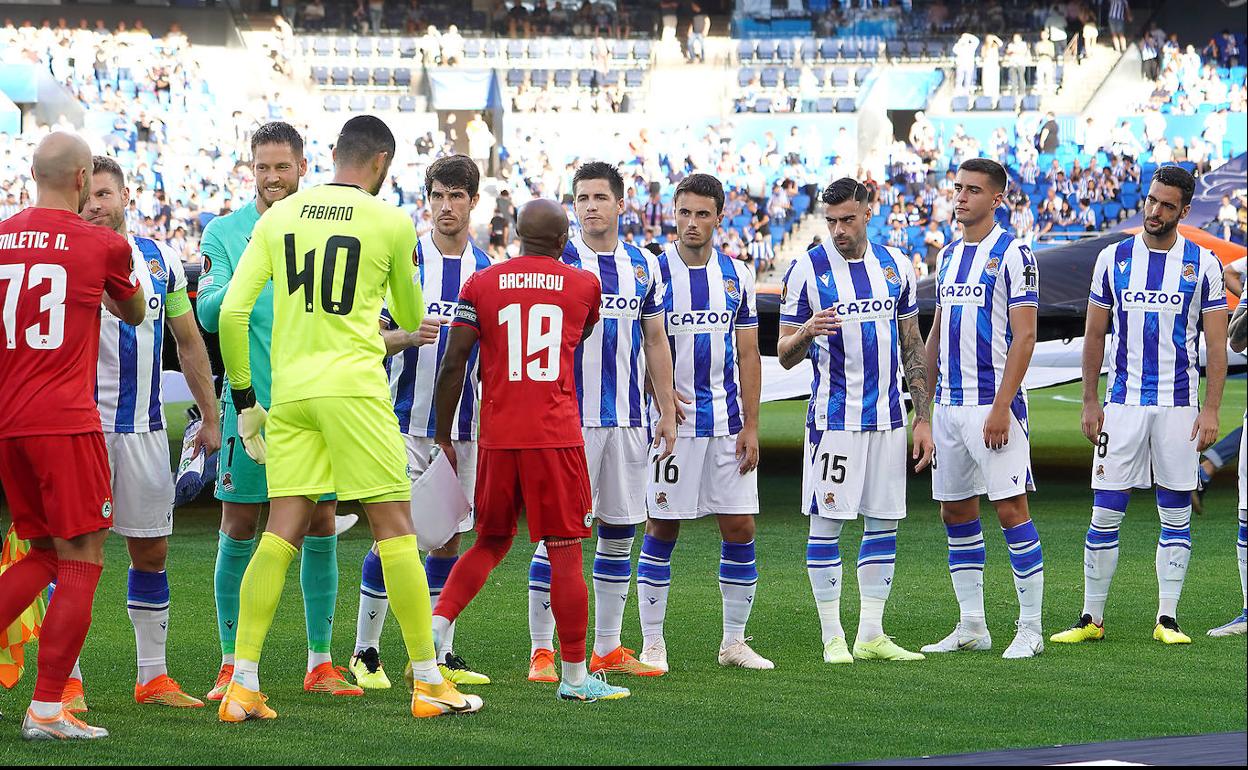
(26, 627)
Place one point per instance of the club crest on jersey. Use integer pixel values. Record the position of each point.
(227, 482)
(784, 292)
(640, 273)
(992, 266)
(829, 501)
(1189, 273)
(1100, 472)
(891, 276)
(730, 286)
(660, 500)
(157, 271)
(106, 510)
(589, 517)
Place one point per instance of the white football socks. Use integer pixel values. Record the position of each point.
(541, 619)
(825, 570)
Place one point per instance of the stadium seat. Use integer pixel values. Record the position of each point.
(320, 46)
(870, 49)
(357, 103)
(408, 48)
(619, 50)
(770, 77)
(536, 49)
(808, 50)
(364, 47)
(766, 50)
(960, 103)
(490, 49)
(339, 76)
(402, 77)
(762, 105)
(860, 75)
(745, 50)
(792, 75)
(1008, 102)
(515, 78)
(983, 103)
(558, 49)
(634, 78)
(577, 50)
(515, 50)
(472, 48)
(361, 76)
(829, 49)
(563, 78)
(784, 50)
(840, 77)
(407, 103)
(825, 104)
(895, 49)
(320, 75)
(385, 47)
(1031, 103)
(342, 46)
(745, 76)
(539, 78)
(641, 51)
(611, 78)
(585, 78)
(820, 75)
(846, 105)
(382, 103)
(332, 103)
(1112, 211)
(383, 76)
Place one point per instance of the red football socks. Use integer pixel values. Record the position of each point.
(65, 626)
(569, 598)
(469, 574)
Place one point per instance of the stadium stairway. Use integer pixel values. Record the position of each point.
(799, 238)
(1084, 81)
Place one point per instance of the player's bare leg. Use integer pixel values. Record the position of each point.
(1027, 563)
(966, 568)
(654, 581)
(738, 581)
(75, 566)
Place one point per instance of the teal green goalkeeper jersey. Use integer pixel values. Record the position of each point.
(222, 245)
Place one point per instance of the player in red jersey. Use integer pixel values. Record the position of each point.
(54, 271)
(530, 314)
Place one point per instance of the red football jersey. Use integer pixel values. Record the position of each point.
(54, 270)
(529, 313)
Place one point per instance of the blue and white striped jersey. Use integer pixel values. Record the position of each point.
(413, 372)
(610, 365)
(857, 371)
(127, 374)
(976, 285)
(704, 306)
(1156, 301)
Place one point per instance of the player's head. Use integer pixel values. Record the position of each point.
(277, 161)
(978, 188)
(62, 166)
(699, 202)
(598, 197)
(1168, 201)
(846, 212)
(106, 206)
(543, 228)
(451, 189)
(365, 146)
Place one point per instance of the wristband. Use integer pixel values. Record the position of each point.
(243, 399)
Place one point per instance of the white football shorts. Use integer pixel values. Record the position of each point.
(617, 461)
(700, 479)
(852, 473)
(418, 450)
(142, 479)
(1140, 445)
(964, 468)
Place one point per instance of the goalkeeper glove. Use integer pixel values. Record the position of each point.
(251, 419)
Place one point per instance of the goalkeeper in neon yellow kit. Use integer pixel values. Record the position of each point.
(333, 252)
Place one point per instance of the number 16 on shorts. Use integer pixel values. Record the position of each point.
(848, 473)
(700, 478)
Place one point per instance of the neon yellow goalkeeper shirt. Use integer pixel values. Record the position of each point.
(334, 253)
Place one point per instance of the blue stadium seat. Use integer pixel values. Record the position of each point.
(983, 103)
(563, 78)
(332, 103)
(634, 78)
(1008, 102)
(745, 50)
(1112, 210)
(766, 50)
(364, 47)
(339, 76)
(321, 46)
(320, 75)
(407, 103)
(491, 49)
(383, 76)
(515, 49)
(382, 103)
(619, 50)
(357, 103)
(611, 78)
(408, 48)
(402, 77)
(840, 77)
(791, 77)
(860, 75)
(829, 49)
(820, 75)
(870, 49)
(770, 77)
(825, 104)
(536, 49)
(539, 78)
(385, 47)
(762, 105)
(577, 50)
(784, 50)
(895, 49)
(809, 49)
(1031, 103)
(745, 76)
(846, 105)
(585, 78)
(472, 48)
(515, 78)
(960, 103)
(361, 76)
(342, 46)
(558, 48)
(642, 50)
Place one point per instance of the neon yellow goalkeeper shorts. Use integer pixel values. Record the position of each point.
(350, 446)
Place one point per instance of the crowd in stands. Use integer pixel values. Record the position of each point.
(1192, 82)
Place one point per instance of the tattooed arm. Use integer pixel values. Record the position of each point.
(914, 362)
(795, 341)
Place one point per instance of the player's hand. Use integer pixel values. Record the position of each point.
(250, 429)
(747, 450)
(448, 449)
(997, 427)
(677, 399)
(1205, 429)
(823, 323)
(924, 447)
(1092, 421)
(208, 440)
(428, 331)
(665, 435)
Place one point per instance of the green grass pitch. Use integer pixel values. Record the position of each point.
(803, 712)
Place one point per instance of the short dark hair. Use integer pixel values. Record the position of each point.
(992, 169)
(361, 138)
(102, 164)
(1177, 176)
(599, 170)
(457, 172)
(705, 185)
(843, 189)
(278, 132)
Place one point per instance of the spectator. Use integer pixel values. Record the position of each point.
(964, 51)
(1119, 15)
(1048, 139)
(1148, 59)
(1018, 59)
(1086, 216)
(761, 253)
(1046, 64)
(933, 242)
(1228, 217)
(991, 79)
(1023, 223)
